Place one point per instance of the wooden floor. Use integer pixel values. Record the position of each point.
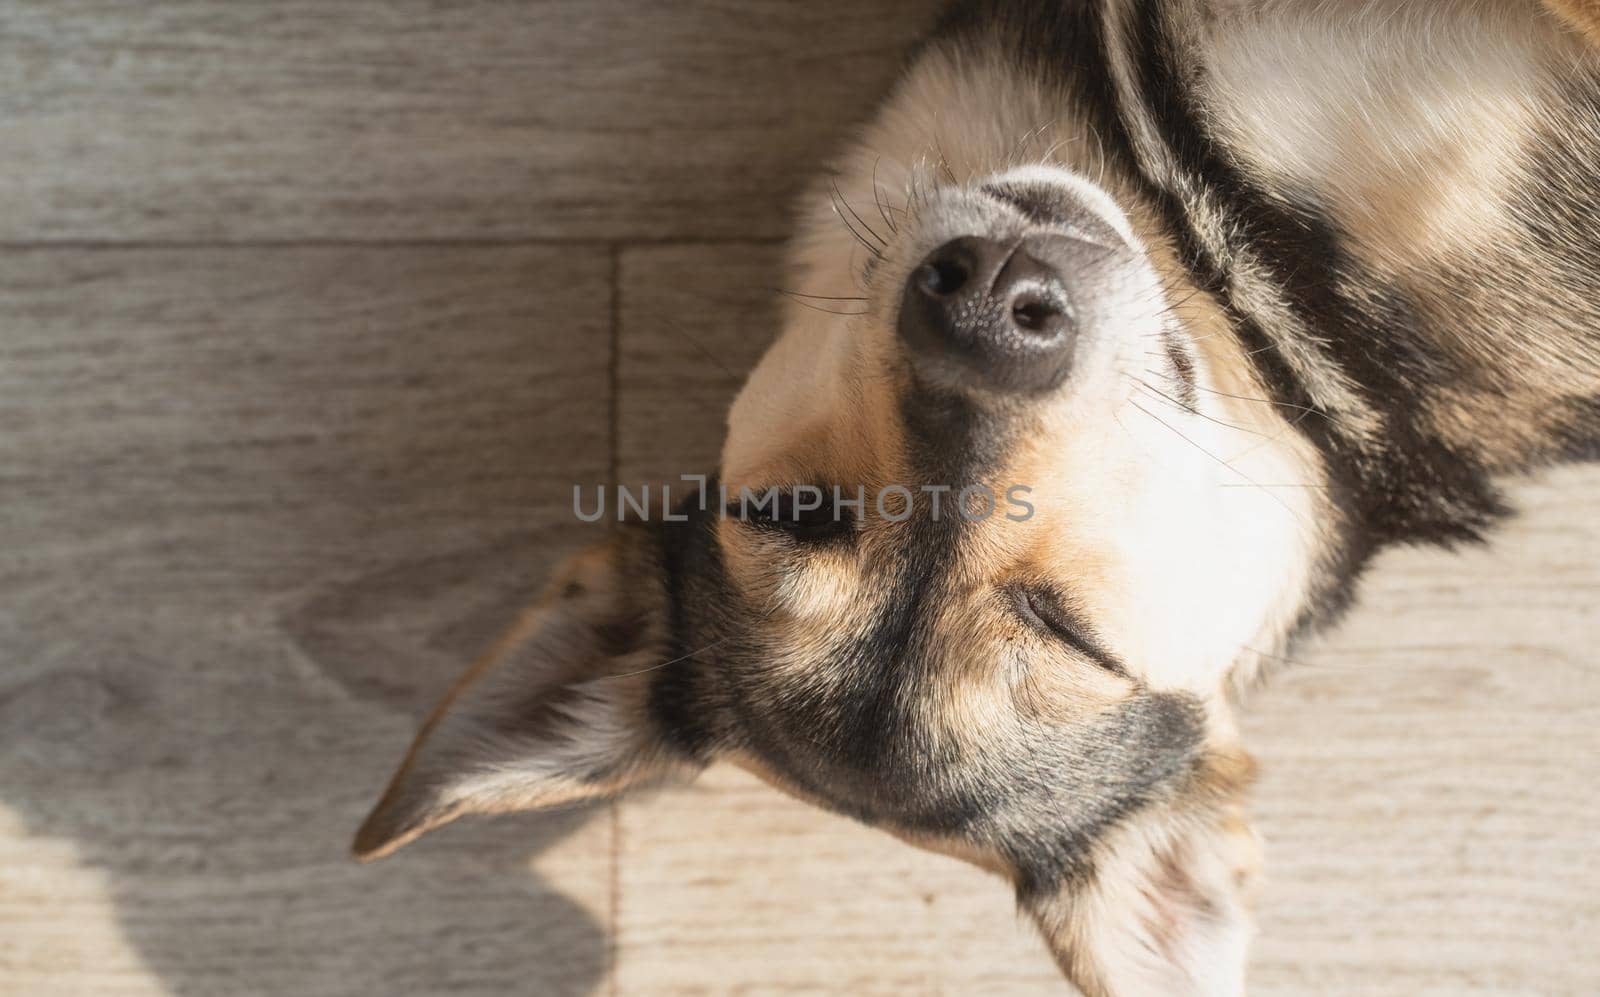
(311, 315)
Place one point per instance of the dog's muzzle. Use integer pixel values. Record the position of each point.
(1005, 316)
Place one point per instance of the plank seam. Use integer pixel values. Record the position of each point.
(94, 245)
(614, 470)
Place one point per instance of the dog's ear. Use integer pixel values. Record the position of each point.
(1581, 15)
(557, 713)
(1164, 910)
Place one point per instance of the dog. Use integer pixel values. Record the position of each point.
(1218, 298)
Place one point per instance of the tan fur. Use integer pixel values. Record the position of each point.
(1583, 16)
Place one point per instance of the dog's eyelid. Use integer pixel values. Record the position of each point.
(1045, 611)
(820, 523)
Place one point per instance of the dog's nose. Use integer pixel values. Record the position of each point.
(1000, 313)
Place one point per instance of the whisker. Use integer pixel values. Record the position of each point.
(1026, 140)
(1299, 663)
(853, 214)
(1049, 154)
(830, 311)
(944, 164)
(664, 664)
(1265, 401)
(1194, 411)
(877, 198)
(874, 250)
(1285, 431)
(678, 330)
(1179, 433)
(819, 297)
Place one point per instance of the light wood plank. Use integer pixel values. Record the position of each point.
(728, 887)
(409, 119)
(694, 320)
(259, 506)
(1428, 795)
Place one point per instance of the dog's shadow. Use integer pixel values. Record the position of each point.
(214, 801)
(343, 501)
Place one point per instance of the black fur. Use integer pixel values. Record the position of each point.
(686, 704)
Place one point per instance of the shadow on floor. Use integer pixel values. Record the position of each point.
(217, 805)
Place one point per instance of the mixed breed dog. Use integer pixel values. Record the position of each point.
(1241, 291)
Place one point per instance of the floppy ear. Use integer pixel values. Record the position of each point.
(1582, 16)
(557, 713)
(1166, 909)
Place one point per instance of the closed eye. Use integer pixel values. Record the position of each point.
(1048, 614)
(806, 515)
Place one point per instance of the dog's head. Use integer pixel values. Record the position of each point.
(975, 571)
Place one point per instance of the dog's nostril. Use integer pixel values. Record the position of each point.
(942, 277)
(1034, 314)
